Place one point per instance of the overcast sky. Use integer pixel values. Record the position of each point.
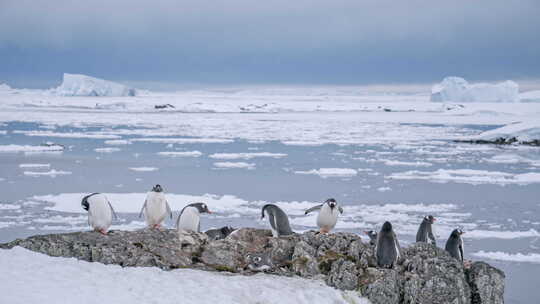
(289, 42)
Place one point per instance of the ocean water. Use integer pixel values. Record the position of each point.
(484, 190)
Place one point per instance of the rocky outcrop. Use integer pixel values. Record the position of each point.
(425, 273)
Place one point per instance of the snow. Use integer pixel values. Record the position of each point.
(330, 172)
(82, 85)
(246, 155)
(511, 257)
(469, 176)
(143, 169)
(30, 277)
(234, 165)
(181, 154)
(51, 173)
(457, 89)
(28, 148)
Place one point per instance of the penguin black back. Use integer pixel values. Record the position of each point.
(387, 247)
(279, 221)
(454, 245)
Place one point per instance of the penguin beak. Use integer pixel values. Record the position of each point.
(209, 211)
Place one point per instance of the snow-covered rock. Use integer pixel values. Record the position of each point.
(457, 89)
(82, 85)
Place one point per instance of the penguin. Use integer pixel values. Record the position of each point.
(100, 212)
(387, 248)
(372, 236)
(279, 222)
(155, 208)
(259, 261)
(425, 231)
(219, 234)
(328, 214)
(454, 245)
(189, 218)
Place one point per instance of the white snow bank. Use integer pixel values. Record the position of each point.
(27, 148)
(469, 176)
(82, 85)
(181, 154)
(30, 277)
(234, 165)
(512, 257)
(522, 131)
(246, 155)
(330, 172)
(51, 173)
(457, 89)
(143, 169)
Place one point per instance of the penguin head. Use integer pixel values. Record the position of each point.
(386, 227)
(201, 207)
(371, 234)
(331, 203)
(457, 233)
(157, 188)
(259, 261)
(429, 218)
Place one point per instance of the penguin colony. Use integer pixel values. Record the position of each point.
(156, 209)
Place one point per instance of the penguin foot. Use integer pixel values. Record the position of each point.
(323, 231)
(157, 226)
(103, 231)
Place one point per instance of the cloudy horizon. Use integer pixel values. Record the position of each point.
(242, 42)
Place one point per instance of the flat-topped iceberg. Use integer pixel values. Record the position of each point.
(82, 85)
(457, 89)
(4, 87)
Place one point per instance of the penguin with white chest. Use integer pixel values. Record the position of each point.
(100, 212)
(454, 245)
(328, 215)
(155, 208)
(279, 222)
(190, 217)
(387, 249)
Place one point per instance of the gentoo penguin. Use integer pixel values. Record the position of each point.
(328, 214)
(259, 261)
(387, 248)
(189, 218)
(454, 245)
(425, 231)
(100, 212)
(279, 222)
(218, 234)
(155, 207)
(372, 236)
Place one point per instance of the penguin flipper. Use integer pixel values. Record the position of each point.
(142, 209)
(431, 236)
(318, 207)
(340, 210)
(461, 250)
(168, 208)
(112, 209)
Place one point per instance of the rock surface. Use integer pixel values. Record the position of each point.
(426, 274)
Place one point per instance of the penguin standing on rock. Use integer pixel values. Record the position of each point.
(387, 248)
(425, 231)
(155, 208)
(190, 219)
(100, 212)
(454, 245)
(279, 222)
(328, 214)
(372, 236)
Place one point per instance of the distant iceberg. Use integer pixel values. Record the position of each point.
(4, 87)
(457, 89)
(82, 85)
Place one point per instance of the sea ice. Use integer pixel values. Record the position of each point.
(330, 172)
(457, 89)
(181, 154)
(143, 169)
(246, 155)
(27, 148)
(82, 85)
(51, 173)
(512, 257)
(234, 165)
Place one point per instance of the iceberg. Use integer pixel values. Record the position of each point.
(457, 89)
(82, 85)
(4, 87)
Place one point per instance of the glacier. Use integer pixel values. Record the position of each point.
(457, 89)
(82, 85)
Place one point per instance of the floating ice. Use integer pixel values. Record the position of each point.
(523, 131)
(469, 176)
(107, 150)
(34, 165)
(51, 173)
(234, 165)
(143, 169)
(90, 135)
(511, 257)
(27, 148)
(246, 155)
(167, 140)
(457, 89)
(82, 85)
(181, 154)
(117, 142)
(9, 207)
(330, 172)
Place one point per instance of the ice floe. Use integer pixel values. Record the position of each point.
(9, 207)
(246, 155)
(82, 85)
(330, 172)
(29, 148)
(469, 176)
(51, 173)
(117, 142)
(180, 153)
(34, 165)
(34, 278)
(89, 135)
(107, 150)
(143, 169)
(405, 163)
(167, 140)
(511, 257)
(234, 165)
